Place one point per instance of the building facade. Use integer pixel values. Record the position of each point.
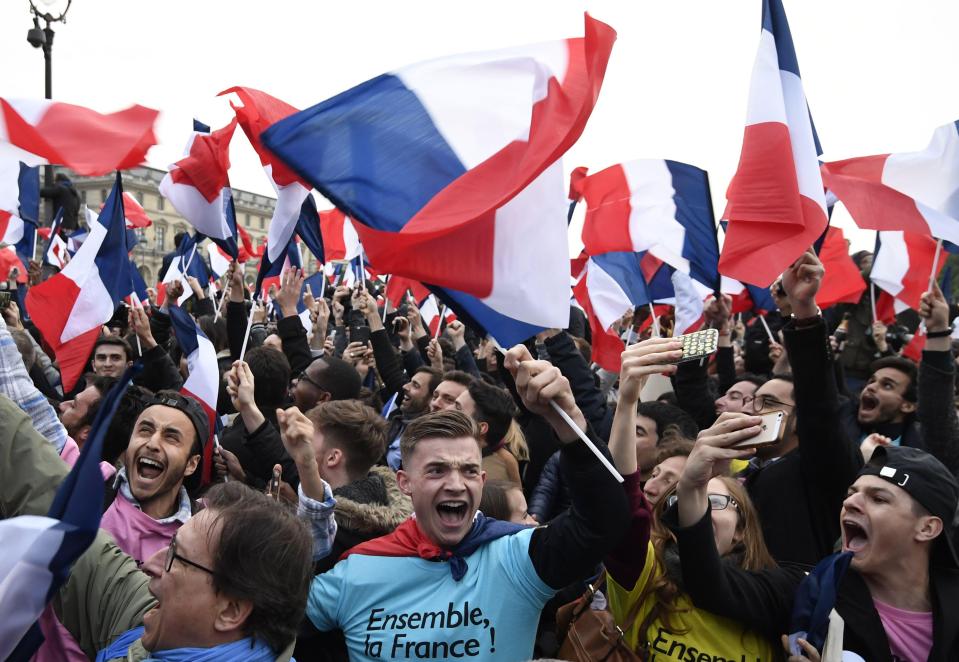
(253, 213)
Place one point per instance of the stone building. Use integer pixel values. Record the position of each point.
(253, 213)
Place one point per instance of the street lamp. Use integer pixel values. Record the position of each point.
(51, 11)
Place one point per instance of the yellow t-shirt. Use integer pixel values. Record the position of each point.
(707, 637)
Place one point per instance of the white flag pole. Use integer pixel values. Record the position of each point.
(249, 325)
(573, 426)
(762, 318)
(935, 265)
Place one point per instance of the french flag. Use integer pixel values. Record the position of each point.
(653, 205)
(55, 254)
(258, 111)
(70, 307)
(776, 206)
(309, 231)
(40, 551)
(89, 143)
(340, 241)
(198, 185)
(842, 281)
(203, 382)
(607, 287)
(449, 170)
(902, 265)
(219, 260)
(269, 272)
(19, 197)
(398, 287)
(136, 216)
(430, 312)
(916, 192)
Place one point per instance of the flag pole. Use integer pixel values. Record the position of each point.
(573, 426)
(322, 281)
(186, 269)
(652, 312)
(386, 301)
(362, 269)
(872, 299)
(762, 318)
(935, 265)
(249, 325)
(439, 324)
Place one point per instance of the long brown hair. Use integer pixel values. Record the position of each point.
(750, 551)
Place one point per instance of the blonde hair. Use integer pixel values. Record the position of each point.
(515, 442)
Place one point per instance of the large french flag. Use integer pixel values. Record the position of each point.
(449, 170)
(902, 266)
(198, 185)
(70, 307)
(917, 192)
(776, 206)
(40, 132)
(340, 241)
(653, 205)
(203, 382)
(39, 551)
(259, 110)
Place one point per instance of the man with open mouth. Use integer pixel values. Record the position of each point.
(450, 582)
(904, 405)
(150, 501)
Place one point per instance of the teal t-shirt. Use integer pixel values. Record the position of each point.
(407, 608)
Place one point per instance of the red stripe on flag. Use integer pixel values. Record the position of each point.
(872, 205)
(770, 222)
(606, 227)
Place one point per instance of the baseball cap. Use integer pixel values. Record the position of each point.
(188, 406)
(928, 481)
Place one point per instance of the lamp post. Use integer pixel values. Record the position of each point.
(51, 11)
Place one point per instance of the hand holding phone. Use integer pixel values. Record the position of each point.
(771, 431)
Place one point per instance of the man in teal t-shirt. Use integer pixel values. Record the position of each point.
(450, 583)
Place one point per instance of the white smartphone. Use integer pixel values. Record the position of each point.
(770, 432)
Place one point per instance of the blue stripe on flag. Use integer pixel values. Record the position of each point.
(28, 183)
(694, 211)
(372, 150)
(625, 270)
(308, 228)
(112, 260)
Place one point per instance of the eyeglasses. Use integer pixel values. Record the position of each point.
(716, 501)
(306, 378)
(171, 555)
(761, 402)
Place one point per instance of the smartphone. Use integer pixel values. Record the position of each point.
(359, 333)
(698, 344)
(4, 298)
(770, 432)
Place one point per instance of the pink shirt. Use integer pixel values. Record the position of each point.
(909, 632)
(136, 533)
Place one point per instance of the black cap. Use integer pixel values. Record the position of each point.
(928, 481)
(188, 406)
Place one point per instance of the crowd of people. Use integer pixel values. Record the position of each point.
(381, 492)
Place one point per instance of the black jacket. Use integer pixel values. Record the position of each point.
(64, 197)
(551, 496)
(799, 495)
(763, 600)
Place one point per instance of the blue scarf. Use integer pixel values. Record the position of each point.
(244, 650)
(814, 599)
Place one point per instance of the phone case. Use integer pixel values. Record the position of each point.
(698, 344)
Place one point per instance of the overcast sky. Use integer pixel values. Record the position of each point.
(879, 74)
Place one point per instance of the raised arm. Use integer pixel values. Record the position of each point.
(575, 542)
(759, 600)
(690, 381)
(937, 383)
(828, 458)
(564, 354)
(290, 327)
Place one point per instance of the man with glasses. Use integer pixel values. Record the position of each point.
(799, 482)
